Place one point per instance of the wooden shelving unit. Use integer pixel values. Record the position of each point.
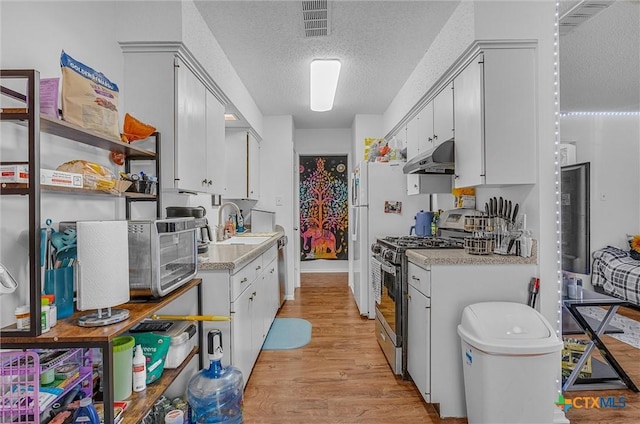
(67, 334)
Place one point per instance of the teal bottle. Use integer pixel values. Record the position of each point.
(215, 394)
(87, 413)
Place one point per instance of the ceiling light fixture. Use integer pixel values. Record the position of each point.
(230, 117)
(324, 81)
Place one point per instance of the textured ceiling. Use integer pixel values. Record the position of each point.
(378, 42)
(600, 61)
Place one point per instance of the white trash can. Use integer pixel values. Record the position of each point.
(510, 359)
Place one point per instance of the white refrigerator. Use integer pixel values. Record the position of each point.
(379, 207)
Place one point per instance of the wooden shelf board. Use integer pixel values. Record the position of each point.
(142, 402)
(68, 331)
(22, 188)
(58, 127)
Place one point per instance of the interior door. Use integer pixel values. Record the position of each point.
(296, 220)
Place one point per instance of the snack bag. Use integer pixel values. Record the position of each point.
(89, 99)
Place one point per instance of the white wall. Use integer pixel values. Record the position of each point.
(364, 126)
(34, 41)
(323, 142)
(456, 35)
(612, 146)
(277, 182)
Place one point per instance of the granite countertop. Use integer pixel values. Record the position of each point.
(460, 257)
(232, 256)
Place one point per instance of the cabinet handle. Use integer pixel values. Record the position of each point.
(244, 280)
(253, 294)
(272, 270)
(258, 267)
(204, 182)
(409, 296)
(413, 277)
(435, 137)
(210, 182)
(456, 176)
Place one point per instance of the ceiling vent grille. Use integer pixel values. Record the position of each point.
(315, 18)
(580, 13)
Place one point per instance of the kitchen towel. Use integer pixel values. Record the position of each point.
(103, 264)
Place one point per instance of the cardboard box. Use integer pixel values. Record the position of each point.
(14, 173)
(60, 178)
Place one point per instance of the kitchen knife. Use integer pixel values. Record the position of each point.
(486, 208)
(511, 243)
(509, 210)
(500, 211)
(490, 207)
(515, 213)
(495, 206)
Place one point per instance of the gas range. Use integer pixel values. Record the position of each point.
(391, 248)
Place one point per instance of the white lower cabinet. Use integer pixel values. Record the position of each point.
(246, 294)
(418, 349)
(437, 296)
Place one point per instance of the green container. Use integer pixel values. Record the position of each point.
(122, 367)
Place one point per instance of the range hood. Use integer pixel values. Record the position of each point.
(438, 160)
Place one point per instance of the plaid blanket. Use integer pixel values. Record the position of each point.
(617, 273)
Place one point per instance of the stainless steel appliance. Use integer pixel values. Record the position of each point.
(282, 268)
(389, 281)
(451, 222)
(202, 224)
(162, 255)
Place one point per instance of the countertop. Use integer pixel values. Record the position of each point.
(460, 257)
(232, 256)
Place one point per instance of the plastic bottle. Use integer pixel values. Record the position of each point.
(240, 222)
(53, 311)
(44, 315)
(23, 317)
(139, 370)
(86, 413)
(215, 394)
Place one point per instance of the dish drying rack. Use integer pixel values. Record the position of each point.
(24, 399)
(493, 235)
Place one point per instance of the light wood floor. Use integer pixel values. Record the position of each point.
(342, 376)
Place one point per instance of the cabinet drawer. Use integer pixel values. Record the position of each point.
(420, 278)
(244, 277)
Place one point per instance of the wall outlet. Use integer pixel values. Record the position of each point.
(279, 200)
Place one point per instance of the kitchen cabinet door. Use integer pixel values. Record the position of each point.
(191, 131)
(494, 115)
(429, 184)
(469, 152)
(242, 350)
(243, 156)
(425, 128)
(443, 115)
(411, 134)
(215, 145)
(258, 333)
(253, 168)
(418, 355)
(273, 293)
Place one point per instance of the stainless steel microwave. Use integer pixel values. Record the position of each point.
(163, 255)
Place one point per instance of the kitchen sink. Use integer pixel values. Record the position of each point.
(244, 240)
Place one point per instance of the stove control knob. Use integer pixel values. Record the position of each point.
(376, 248)
(388, 256)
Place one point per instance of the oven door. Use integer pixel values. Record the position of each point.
(388, 297)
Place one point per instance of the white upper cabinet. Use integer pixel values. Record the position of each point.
(412, 130)
(425, 128)
(443, 115)
(494, 115)
(243, 159)
(168, 89)
(191, 131)
(216, 168)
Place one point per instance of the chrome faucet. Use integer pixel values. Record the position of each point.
(221, 234)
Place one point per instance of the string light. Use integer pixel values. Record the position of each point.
(556, 72)
(567, 114)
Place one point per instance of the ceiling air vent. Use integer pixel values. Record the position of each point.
(580, 13)
(315, 18)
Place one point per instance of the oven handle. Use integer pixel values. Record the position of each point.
(386, 266)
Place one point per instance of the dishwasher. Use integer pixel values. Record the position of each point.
(282, 268)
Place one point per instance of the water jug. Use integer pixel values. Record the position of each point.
(215, 394)
(423, 224)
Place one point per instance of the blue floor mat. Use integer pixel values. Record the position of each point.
(288, 333)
